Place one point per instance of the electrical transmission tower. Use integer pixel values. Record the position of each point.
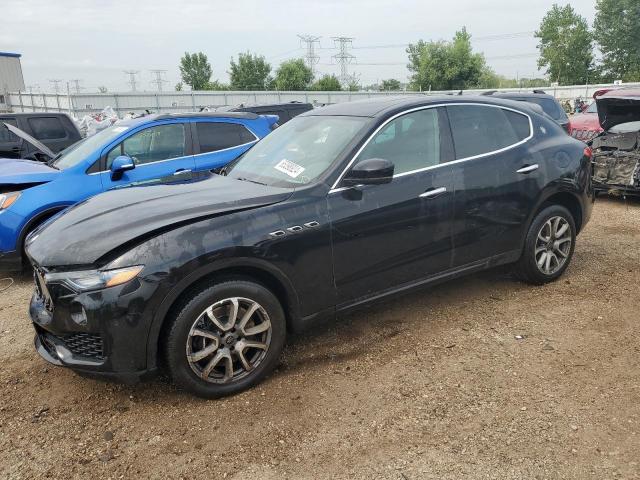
(76, 85)
(311, 57)
(344, 58)
(132, 78)
(56, 85)
(158, 81)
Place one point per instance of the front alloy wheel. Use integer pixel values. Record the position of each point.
(224, 338)
(228, 340)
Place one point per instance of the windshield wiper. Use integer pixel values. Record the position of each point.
(52, 160)
(252, 181)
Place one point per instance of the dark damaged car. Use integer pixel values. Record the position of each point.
(616, 151)
(338, 208)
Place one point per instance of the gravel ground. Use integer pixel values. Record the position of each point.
(481, 378)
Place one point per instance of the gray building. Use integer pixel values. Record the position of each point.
(11, 79)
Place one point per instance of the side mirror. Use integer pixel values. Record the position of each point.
(372, 171)
(120, 165)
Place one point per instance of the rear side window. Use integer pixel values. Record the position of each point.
(47, 128)
(480, 129)
(5, 135)
(214, 136)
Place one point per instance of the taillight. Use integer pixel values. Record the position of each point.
(588, 152)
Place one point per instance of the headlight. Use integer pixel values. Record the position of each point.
(87, 280)
(8, 199)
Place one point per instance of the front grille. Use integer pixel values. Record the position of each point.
(85, 344)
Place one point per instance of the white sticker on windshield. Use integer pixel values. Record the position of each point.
(290, 168)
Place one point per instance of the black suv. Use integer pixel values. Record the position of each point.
(339, 207)
(546, 102)
(56, 130)
(284, 111)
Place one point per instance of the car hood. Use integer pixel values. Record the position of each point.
(89, 231)
(16, 172)
(614, 110)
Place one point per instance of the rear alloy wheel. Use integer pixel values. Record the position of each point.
(225, 339)
(548, 247)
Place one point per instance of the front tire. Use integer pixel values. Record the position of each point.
(225, 339)
(548, 247)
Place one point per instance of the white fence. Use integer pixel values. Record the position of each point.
(82, 104)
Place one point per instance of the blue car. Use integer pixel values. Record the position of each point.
(137, 150)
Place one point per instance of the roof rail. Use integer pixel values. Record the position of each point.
(489, 92)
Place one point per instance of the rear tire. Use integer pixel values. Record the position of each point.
(225, 339)
(548, 246)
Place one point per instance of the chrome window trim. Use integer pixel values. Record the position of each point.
(335, 188)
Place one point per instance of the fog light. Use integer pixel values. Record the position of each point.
(78, 315)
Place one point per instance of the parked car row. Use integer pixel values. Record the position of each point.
(205, 272)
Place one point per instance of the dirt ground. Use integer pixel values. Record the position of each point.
(481, 378)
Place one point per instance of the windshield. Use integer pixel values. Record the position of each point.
(79, 151)
(593, 108)
(298, 152)
(550, 107)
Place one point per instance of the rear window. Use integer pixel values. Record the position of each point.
(481, 129)
(5, 135)
(47, 128)
(548, 105)
(214, 136)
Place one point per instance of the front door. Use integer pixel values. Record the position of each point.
(158, 152)
(392, 235)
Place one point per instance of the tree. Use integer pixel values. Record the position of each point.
(566, 46)
(327, 83)
(250, 73)
(179, 86)
(445, 65)
(102, 89)
(216, 85)
(390, 84)
(617, 32)
(354, 86)
(195, 70)
(293, 75)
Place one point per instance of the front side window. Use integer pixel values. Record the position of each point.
(47, 128)
(298, 152)
(481, 129)
(410, 142)
(154, 144)
(214, 136)
(5, 135)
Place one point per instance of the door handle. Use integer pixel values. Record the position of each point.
(181, 171)
(434, 192)
(528, 168)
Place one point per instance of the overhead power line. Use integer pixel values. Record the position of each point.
(158, 80)
(311, 57)
(344, 58)
(132, 78)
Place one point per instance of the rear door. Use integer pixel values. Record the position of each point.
(158, 152)
(387, 236)
(11, 146)
(218, 143)
(495, 177)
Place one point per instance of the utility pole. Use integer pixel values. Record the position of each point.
(311, 57)
(158, 81)
(56, 85)
(76, 85)
(344, 58)
(132, 78)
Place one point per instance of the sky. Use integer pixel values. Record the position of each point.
(96, 40)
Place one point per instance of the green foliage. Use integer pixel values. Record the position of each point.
(195, 70)
(617, 31)
(490, 80)
(390, 84)
(102, 89)
(327, 83)
(566, 46)
(445, 65)
(179, 86)
(216, 85)
(251, 72)
(293, 75)
(354, 86)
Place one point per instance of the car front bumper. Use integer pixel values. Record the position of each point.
(102, 333)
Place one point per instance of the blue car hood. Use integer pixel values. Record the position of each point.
(16, 172)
